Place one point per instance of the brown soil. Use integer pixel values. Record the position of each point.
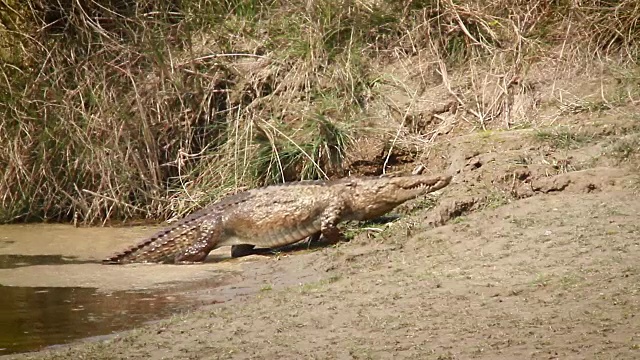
(531, 253)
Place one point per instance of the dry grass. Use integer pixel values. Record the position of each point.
(118, 110)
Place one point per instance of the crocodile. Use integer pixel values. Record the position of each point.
(278, 215)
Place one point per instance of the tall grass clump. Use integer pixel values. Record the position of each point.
(148, 109)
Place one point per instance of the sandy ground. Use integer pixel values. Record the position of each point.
(532, 253)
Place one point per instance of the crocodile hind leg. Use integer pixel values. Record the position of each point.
(207, 237)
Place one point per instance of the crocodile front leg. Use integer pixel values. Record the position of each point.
(208, 236)
(329, 224)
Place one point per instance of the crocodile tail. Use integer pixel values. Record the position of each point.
(165, 245)
(162, 247)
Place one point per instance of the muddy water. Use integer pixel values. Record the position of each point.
(33, 317)
(53, 288)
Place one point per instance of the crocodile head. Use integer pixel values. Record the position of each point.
(375, 197)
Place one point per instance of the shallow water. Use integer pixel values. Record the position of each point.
(53, 288)
(34, 317)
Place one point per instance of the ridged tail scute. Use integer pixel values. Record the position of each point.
(133, 253)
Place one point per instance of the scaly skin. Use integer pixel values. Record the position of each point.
(278, 215)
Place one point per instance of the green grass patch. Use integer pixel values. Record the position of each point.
(562, 138)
